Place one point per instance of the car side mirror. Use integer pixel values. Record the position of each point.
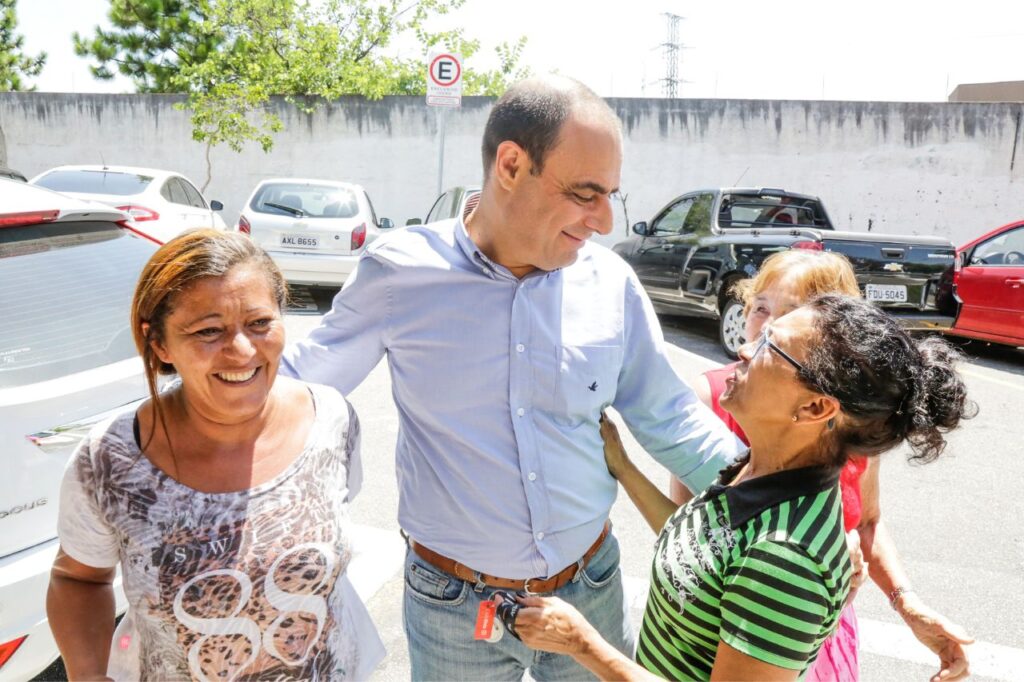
(640, 228)
(216, 206)
(414, 221)
(385, 224)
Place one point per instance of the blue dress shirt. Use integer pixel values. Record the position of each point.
(499, 384)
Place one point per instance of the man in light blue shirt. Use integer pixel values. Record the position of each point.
(506, 335)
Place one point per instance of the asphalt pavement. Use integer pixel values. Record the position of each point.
(957, 522)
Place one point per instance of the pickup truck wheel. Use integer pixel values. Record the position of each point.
(732, 328)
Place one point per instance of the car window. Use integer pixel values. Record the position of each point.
(194, 197)
(53, 325)
(442, 207)
(770, 210)
(165, 191)
(95, 182)
(373, 213)
(178, 195)
(1004, 249)
(671, 220)
(698, 219)
(315, 201)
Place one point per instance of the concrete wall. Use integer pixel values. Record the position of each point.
(920, 168)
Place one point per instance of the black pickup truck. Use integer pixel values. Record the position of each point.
(699, 245)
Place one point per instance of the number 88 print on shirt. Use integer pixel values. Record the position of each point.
(227, 585)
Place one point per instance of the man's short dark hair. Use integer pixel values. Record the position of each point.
(532, 112)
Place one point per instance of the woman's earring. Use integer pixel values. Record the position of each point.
(794, 417)
(831, 423)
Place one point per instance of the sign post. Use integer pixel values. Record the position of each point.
(444, 91)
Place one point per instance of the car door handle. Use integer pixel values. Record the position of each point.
(666, 247)
(1015, 282)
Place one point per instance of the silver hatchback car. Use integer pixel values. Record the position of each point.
(315, 230)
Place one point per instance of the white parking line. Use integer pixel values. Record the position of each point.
(884, 639)
(972, 371)
(896, 641)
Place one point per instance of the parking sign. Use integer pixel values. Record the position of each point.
(444, 79)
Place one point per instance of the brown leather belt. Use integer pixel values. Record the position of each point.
(529, 585)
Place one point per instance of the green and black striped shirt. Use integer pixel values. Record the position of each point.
(762, 566)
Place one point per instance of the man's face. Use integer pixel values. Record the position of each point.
(554, 213)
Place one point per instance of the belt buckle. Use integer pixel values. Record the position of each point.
(527, 590)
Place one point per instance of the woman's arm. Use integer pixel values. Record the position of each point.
(80, 606)
(731, 664)
(550, 624)
(935, 631)
(652, 503)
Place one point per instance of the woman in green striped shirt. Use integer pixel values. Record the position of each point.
(750, 576)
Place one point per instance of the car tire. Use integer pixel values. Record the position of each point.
(732, 327)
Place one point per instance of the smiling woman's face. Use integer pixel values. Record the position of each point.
(765, 387)
(225, 336)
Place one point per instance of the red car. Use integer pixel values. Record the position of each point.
(989, 286)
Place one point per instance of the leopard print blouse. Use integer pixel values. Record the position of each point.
(225, 586)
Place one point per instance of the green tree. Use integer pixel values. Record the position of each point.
(232, 56)
(151, 40)
(14, 64)
(314, 52)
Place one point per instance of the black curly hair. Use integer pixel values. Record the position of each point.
(890, 387)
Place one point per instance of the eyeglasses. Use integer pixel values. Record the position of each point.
(764, 341)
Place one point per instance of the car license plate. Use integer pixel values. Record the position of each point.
(300, 241)
(886, 293)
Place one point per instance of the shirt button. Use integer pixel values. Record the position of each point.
(520, 412)
(532, 476)
(520, 348)
(540, 536)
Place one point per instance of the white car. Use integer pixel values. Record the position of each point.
(67, 273)
(315, 230)
(162, 204)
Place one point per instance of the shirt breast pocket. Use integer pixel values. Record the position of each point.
(587, 379)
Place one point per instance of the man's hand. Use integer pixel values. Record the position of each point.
(550, 624)
(938, 633)
(614, 453)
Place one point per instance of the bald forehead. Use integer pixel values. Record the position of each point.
(583, 103)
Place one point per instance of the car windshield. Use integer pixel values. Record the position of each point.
(764, 210)
(95, 182)
(315, 201)
(65, 298)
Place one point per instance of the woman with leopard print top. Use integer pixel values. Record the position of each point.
(223, 499)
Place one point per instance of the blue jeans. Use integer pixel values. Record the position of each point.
(439, 613)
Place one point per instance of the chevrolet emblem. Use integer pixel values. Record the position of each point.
(893, 267)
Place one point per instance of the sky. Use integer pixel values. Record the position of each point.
(894, 50)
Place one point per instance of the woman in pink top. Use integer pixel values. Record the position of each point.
(787, 280)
